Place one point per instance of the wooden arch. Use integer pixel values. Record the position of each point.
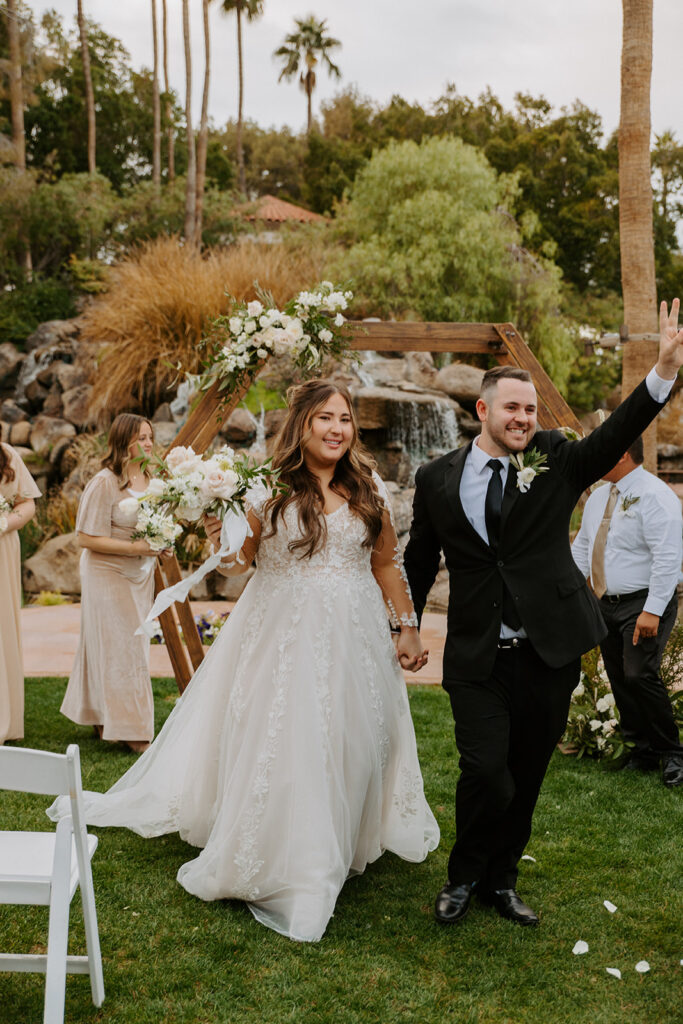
(500, 341)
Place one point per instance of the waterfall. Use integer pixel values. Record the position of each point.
(424, 429)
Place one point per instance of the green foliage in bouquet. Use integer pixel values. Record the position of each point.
(593, 725)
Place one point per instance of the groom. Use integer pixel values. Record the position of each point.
(519, 614)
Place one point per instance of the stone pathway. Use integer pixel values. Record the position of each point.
(50, 637)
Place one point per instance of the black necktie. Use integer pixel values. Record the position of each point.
(492, 512)
(494, 502)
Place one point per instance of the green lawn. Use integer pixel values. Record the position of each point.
(171, 958)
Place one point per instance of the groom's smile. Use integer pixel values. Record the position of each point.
(508, 417)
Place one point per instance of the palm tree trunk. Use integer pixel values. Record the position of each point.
(309, 101)
(156, 103)
(16, 99)
(203, 128)
(191, 182)
(89, 94)
(170, 134)
(241, 176)
(636, 234)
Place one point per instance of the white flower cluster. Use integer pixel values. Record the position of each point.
(188, 487)
(305, 330)
(5, 509)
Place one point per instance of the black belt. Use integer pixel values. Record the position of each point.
(511, 643)
(616, 598)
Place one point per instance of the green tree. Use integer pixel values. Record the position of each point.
(304, 48)
(426, 236)
(251, 9)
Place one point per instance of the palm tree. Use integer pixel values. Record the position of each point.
(191, 182)
(305, 48)
(636, 235)
(170, 134)
(156, 102)
(203, 137)
(89, 94)
(252, 9)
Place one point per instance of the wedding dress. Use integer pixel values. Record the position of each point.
(291, 756)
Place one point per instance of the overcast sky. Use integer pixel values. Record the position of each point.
(565, 51)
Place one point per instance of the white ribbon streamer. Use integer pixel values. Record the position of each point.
(234, 532)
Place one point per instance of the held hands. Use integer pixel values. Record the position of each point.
(213, 526)
(670, 342)
(647, 625)
(411, 654)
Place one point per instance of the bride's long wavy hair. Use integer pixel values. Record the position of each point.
(352, 476)
(6, 471)
(124, 430)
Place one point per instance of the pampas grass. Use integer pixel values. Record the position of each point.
(160, 304)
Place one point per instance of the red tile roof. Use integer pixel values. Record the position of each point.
(277, 211)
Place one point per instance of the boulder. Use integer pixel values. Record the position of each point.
(5, 431)
(460, 381)
(52, 406)
(10, 361)
(165, 433)
(54, 567)
(70, 375)
(163, 414)
(20, 433)
(52, 332)
(420, 369)
(230, 587)
(239, 427)
(384, 372)
(76, 404)
(47, 430)
(10, 412)
(274, 420)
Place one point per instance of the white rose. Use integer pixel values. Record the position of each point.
(525, 478)
(339, 320)
(189, 513)
(156, 487)
(254, 308)
(181, 460)
(604, 704)
(262, 353)
(249, 326)
(595, 724)
(579, 690)
(129, 506)
(325, 335)
(219, 483)
(235, 325)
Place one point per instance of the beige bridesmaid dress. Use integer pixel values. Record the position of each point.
(110, 684)
(11, 666)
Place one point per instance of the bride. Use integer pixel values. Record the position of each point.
(291, 756)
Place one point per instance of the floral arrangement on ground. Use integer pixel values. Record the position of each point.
(208, 627)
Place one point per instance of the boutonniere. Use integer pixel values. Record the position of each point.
(626, 504)
(528, 465)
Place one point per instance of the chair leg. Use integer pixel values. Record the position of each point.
(58, 929)
(92, 937)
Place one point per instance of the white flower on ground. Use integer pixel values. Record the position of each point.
(127, 505)
(609, 906)
(642, 967)
(580, 947)
(614, 971)
(528, 856)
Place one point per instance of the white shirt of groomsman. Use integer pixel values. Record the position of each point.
(644, 547)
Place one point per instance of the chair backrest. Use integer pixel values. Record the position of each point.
(41, 771)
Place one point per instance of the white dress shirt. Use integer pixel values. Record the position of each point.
(644, 547)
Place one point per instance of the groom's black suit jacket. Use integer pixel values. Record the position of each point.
(558, 612)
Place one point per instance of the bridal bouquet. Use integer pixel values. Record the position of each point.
(5, 509)
(188, 486)
(308, 329)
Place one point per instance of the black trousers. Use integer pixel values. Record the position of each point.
(645, 711)
(506, 729)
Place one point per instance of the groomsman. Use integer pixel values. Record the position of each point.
(520, 614)
(631, 546)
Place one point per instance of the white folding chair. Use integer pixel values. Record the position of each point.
(46, 868)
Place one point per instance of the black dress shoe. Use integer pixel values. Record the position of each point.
(672, 770)
(634, 763)
(509, 905)
(453, 902)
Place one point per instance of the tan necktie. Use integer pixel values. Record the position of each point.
(598, 559)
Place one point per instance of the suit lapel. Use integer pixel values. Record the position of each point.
(452, 484)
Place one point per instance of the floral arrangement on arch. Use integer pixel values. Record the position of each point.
(593, 725)
(308, 329)
(5, 509)
(187, 486)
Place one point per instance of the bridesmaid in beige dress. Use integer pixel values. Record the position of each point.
(110, 686)
(18, 489)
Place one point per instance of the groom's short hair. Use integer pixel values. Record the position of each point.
(491, 377)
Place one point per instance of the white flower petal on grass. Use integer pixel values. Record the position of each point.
(609, 906)
(529, 857)
(580, 947)
(642, 967)
(614, 971)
